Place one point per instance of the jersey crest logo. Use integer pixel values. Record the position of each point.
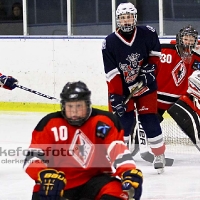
(131, 71)
(102, 129)
(179, 73)
(82, 148)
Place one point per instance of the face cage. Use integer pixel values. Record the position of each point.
(181, 43)
(77, 122)
(128, 27)
(185, 52)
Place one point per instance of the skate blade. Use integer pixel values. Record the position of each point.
(159, 167)
(160, 170)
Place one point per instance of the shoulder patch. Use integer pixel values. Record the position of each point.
(151, 28)
(102, 129)
(196, 65)
(109, 115)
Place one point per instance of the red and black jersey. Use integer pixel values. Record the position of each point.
(172, 75)
(80, 152)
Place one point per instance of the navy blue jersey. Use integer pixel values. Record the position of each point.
(123, 60)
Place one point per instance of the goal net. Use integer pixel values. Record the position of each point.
(176, 140)
(172, 132)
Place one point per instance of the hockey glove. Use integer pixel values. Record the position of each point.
(52, 184)
(8, 82)
(132, 183)
(147, 75)
(117, 103)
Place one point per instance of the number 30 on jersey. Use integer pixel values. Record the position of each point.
(166, 58)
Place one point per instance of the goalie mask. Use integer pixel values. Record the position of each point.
(126, 17)
(186, 41)
(75, 103)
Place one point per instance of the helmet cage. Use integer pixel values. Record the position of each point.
(185, 50)
(126, 8)
(75, 91)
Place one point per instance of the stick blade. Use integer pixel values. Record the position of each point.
(147, 156)
(169, 162)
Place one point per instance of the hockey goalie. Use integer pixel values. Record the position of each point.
(186, 111)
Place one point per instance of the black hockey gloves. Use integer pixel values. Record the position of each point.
(8, 82)
(52, 184)
(147, 74)
(132, 183)
(117, 103)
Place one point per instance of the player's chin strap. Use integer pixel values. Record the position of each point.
(143, 145)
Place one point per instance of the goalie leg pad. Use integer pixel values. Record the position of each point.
(187, 119)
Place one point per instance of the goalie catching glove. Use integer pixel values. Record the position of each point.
(8, 82)
(52, 184)
(132, 183)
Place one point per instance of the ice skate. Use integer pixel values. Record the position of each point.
(159, 163)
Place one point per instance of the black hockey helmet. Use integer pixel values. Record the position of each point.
(76, 91)
(185, 50)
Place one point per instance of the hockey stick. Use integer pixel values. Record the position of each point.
(36, 92)
(143, 145)
(133, 91)
(145, 154)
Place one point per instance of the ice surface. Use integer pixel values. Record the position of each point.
(179, 182)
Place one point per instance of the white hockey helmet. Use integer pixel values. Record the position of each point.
(126, 8)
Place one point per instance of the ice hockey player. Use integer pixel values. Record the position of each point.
(178, 63)
(8, 82)
(71, 149)
(127, 56)
(186, 111)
